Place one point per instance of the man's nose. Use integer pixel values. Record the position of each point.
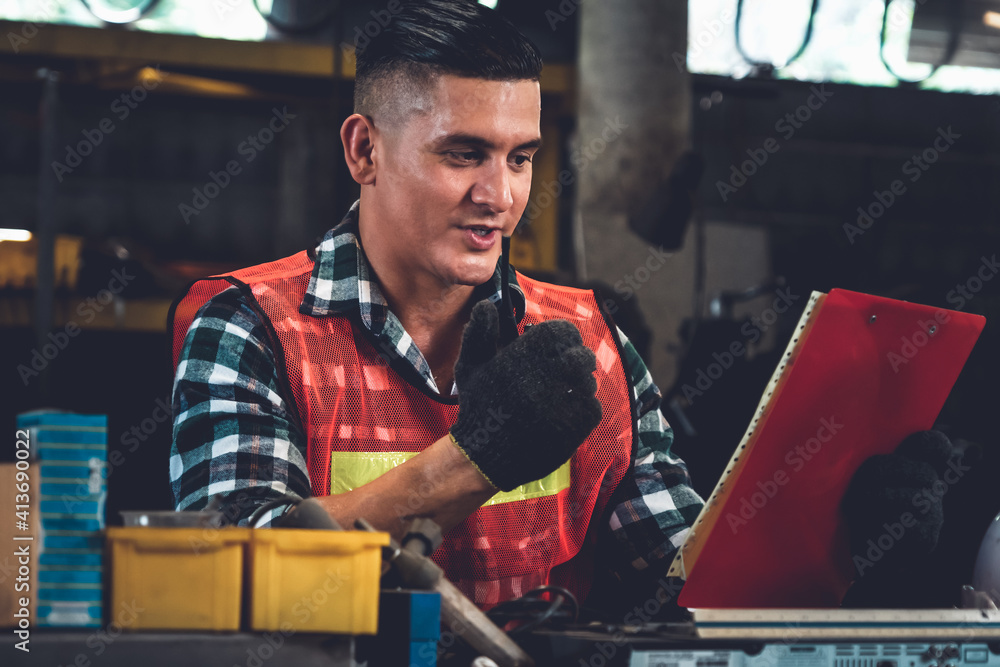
(492, 186)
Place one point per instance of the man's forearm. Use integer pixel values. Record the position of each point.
(439, 483)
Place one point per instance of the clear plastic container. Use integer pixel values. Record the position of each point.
(169, 519)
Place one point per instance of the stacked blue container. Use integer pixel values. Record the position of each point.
(71, 452)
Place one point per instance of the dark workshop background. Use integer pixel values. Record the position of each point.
(633, 140)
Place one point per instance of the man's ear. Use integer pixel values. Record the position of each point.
(357, 134)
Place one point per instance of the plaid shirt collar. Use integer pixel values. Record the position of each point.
(342, 281)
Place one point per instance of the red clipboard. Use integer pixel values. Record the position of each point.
(860, 374)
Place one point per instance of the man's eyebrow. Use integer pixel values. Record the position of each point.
(534, 143)
(480, 142)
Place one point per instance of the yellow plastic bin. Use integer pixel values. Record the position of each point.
(315, 580)
(178, 578)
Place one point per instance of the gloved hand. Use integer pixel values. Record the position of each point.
(524, 409)
(894, 511)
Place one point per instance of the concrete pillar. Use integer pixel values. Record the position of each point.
(634, 119)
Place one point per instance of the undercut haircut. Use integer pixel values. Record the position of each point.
(427, 38)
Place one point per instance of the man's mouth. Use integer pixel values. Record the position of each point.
(480, 237)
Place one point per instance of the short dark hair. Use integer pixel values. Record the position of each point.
(427, 38)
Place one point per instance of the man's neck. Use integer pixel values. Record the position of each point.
(425, 307)
(434, 317)
(432, 313)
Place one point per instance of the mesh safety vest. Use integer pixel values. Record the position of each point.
(361, 418)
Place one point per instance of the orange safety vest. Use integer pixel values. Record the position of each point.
(361, 418)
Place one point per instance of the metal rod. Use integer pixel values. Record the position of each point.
(46, 226)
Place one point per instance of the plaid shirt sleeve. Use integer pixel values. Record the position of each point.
(232, 428)
(658, 505)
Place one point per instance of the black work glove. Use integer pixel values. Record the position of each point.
(894, 511)
(524, 409)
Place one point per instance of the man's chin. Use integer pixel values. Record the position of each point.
(472, 277)
(472, 282)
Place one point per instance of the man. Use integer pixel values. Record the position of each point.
(400, 370)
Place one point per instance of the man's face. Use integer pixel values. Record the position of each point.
(454, 177)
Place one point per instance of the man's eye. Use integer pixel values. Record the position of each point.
(521, 160)
(464, 156)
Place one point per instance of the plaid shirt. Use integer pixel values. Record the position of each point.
(233, 430)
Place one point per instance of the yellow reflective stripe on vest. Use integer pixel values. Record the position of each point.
(349, 470)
